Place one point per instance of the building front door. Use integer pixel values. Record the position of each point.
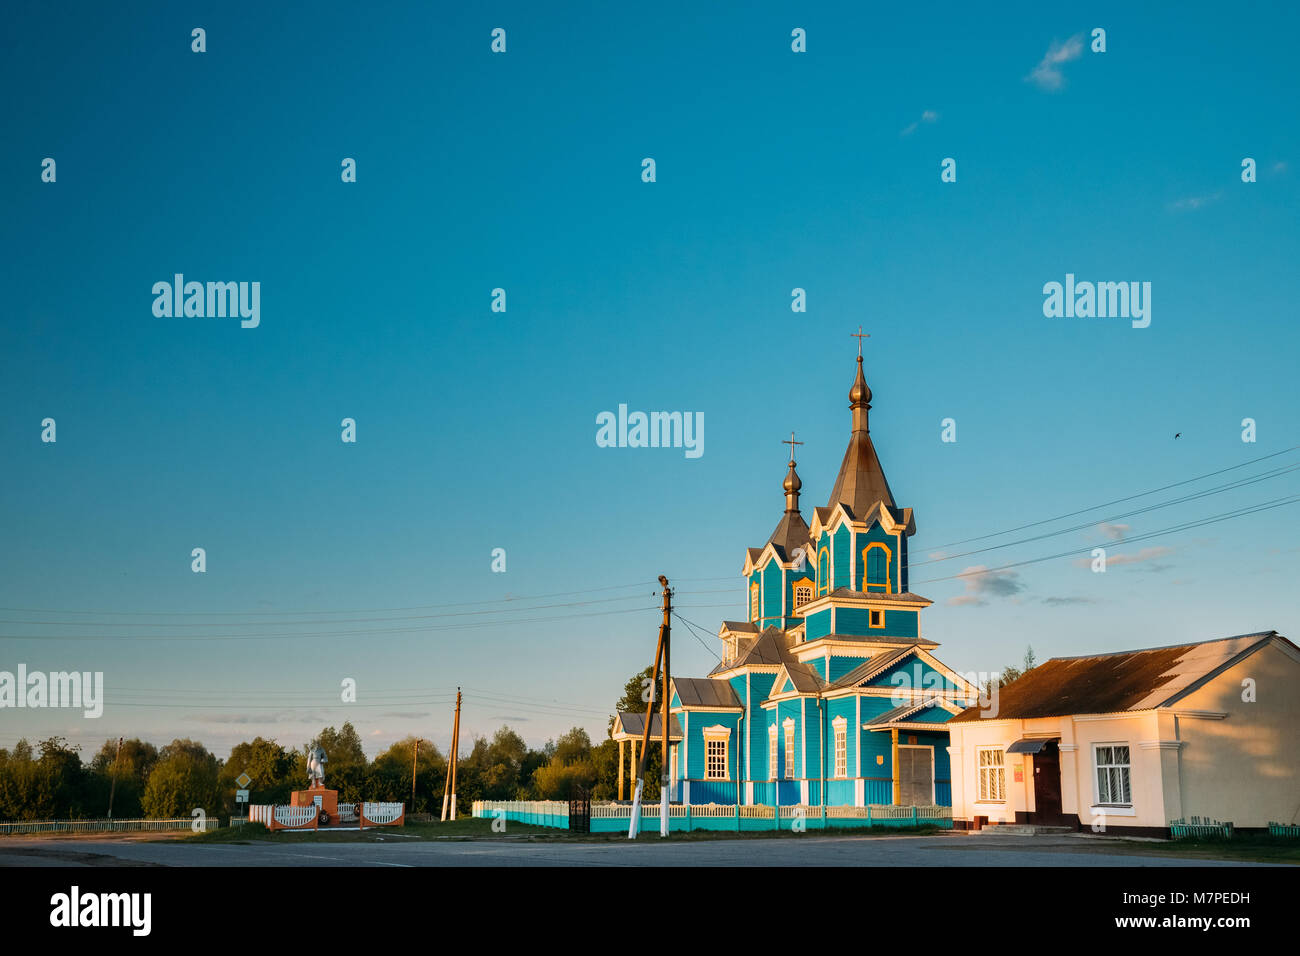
(1047, 786)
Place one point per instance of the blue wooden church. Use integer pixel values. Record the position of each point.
(828, 693)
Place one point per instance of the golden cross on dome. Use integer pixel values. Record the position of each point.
(792, 443)
(860, 335)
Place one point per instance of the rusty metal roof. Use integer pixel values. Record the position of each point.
(1122, 681)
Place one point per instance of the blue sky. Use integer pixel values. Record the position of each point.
(476, 429)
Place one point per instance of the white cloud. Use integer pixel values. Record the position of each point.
(982, 583)
(1047, 75)
(929, 116)
(1115, 532)
(1194, 202)
(1139, 557)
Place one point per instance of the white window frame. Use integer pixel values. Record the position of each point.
(788, 727)
(771, 752)
(841, 728)
(991, 776)
(1123, 774)
(717, 735)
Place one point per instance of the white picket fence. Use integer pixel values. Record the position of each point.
(295, 816)
(96, 826)
(382, 813)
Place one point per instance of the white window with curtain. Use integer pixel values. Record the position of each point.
(992, 775)
(771, 752)
(789, 749)
(1113, 767)
(841, 727)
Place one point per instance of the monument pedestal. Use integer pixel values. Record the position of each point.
(324, 800)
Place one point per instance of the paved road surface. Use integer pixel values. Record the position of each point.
(982, 849)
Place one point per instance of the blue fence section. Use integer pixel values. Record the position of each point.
(615, 818)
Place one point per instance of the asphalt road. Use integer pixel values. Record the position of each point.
(949, 850)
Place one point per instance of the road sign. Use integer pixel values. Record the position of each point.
(243, 780)
(241, 796)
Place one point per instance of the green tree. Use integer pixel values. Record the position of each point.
(570, 766)
(183, 779)
(26, 791)
(1011, 673)
(635, 699)
(389, 777)
(493, 770)
(131, 772)
(68, 781)
(636, 695)
(271, 767)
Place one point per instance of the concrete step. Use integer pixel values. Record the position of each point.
(1026, 829)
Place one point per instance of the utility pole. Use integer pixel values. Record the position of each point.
(661, 657)
(415, 757)
(112, 788)
(663, 750)
(449, 784)
(455, 755)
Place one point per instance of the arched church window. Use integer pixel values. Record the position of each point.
(754, 612)
(875, 561)
(823, 571)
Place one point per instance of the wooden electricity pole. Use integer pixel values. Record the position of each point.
(455, 755)
(112, 788)
(415, 758)
(661, 657)
(449, 784)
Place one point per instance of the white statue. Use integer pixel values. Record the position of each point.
(316, 761)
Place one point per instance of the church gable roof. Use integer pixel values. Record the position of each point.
(937, 711)
(632, 724)
(705, 692)
(795, 677)
(791, 533)
(874, 667)
(769, 648)
(1123, 681)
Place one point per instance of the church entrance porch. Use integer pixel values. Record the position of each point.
(916, 775)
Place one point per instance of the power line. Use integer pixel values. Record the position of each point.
(693, 631)
(1230, 486)
(108, 638)
(361, 620)
(1198, 523)
(1116, 501)
(373, 610)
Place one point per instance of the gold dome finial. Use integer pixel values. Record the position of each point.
(792, 484)
(860, 394)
